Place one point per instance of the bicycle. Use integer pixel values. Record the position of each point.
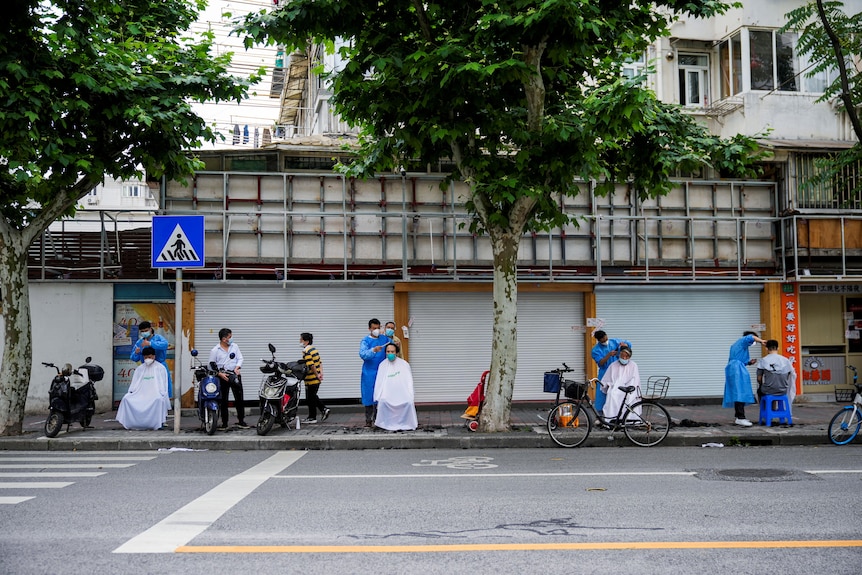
(644, 421)
(845, 424)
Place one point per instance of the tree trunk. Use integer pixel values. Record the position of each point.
(495, 415)
(17, 341)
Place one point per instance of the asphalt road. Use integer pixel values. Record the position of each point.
(607, 510)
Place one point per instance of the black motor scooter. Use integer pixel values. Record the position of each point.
(279, 392)
(68, 403)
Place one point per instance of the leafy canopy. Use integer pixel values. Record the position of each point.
(90, 88)
(831, 39)
(525, 96)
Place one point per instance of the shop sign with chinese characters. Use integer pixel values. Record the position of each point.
(791, 348)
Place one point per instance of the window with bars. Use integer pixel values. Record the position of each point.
(816, 190)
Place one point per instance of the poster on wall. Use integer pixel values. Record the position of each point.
(127, 317)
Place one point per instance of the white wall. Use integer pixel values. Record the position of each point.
(70, 321)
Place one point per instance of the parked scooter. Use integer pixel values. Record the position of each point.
(72, 396)
(209, 392)
(279, 392)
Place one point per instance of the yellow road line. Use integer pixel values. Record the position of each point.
(516, 547)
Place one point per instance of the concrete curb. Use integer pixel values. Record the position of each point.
(444, 438)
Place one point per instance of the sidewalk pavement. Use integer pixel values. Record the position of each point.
(440, 426)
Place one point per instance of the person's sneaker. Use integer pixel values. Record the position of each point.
(368, 424)
(242, 425)
(325, 414)
(743, 422)
(223, 426)
(309, 420)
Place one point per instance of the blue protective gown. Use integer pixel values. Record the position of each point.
(599, 351)
(737, 380)
(160, 344)
(370, 363)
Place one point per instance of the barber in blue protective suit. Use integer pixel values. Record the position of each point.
(148, 338)
(604, 353)
(737, 380)
(372, 350)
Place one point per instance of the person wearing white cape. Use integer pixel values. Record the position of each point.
(622, 373)
(146, 404)
(393, 392)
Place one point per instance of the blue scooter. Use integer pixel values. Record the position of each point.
(209, 392)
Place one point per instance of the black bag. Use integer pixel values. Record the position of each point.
(575, 390)
(95, 372)
(297, 369)
(552, 382)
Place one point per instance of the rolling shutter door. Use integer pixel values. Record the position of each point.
(451, 335)
(337, 316)
(682, 332)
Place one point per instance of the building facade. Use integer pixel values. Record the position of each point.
(292, 246)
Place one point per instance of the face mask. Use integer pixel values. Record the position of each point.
(230, 341)
(145, 334)
(390, 332)
(623, 361)
(390, 356)
(375, 332)
(149, 361)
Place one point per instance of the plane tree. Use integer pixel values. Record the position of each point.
(526, 97)
(89, 89)
(830, 37)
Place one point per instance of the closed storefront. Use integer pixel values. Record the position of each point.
(683, 332)
(337, 315)
(830, 327)
(451, 337)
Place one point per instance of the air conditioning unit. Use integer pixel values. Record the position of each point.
(93, 201)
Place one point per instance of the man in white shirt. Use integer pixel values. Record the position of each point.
(228, 357)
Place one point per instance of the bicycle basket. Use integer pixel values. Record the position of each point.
(844, 395)
(575, 390)
(552, 382)
(656, 387)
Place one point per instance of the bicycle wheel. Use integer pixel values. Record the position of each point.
(845, 425)
(569, 425)
(647, 424)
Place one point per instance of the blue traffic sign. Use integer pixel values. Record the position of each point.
(178, 242)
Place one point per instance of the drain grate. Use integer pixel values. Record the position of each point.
(762, 475)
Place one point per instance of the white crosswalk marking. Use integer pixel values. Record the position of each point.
(13, 500)
(33, 467)
(76, 458)
(190, 521)
(42, 474)
(65, 465)
(34, 484)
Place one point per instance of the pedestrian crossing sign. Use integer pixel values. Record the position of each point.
(178, 242)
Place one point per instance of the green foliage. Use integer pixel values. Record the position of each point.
(814, 42)
(91, 88)
(526, 97)
(841, 52)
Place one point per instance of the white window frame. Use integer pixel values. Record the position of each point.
(134, 190)
(689, 71)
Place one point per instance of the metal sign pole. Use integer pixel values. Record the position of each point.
(178, 351)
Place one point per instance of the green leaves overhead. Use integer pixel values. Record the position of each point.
(94, 88)
(525, 96)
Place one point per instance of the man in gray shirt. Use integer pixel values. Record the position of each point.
(775, 373)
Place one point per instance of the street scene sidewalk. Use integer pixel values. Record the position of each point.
(440, 426)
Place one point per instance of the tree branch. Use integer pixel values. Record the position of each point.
(842, 70)
(424, 25)
(534, 87)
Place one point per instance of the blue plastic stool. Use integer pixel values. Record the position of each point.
(781, 411)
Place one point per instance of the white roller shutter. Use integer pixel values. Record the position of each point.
(450, 342)
(337, 316)
(684, 332)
